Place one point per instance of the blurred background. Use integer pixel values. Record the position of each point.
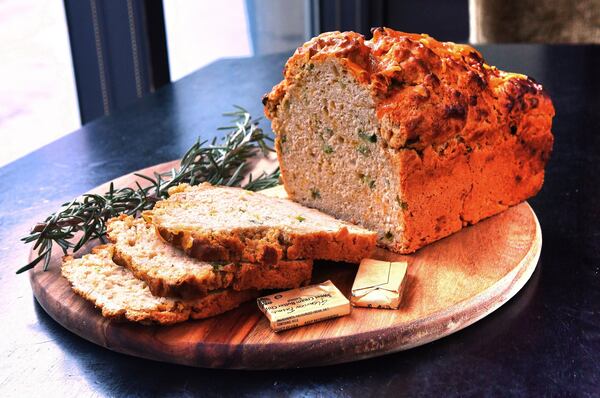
(66, 63)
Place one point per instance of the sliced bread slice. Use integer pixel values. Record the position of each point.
(232, 224)
(168, 271)
(120, 295)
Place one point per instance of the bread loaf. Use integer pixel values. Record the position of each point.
(168, 271)
(121, 296)
(231, 224)
(406, 135)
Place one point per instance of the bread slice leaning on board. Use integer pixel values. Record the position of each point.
(168, 271)
(405, 135)
(120, 295)
(216, 223)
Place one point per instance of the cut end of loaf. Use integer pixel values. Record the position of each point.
(329, 144)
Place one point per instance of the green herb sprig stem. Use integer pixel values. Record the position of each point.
(220, 162)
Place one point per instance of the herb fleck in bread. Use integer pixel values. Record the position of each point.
(405, 135)
(168, 271)
(121, 296)
(231, 224)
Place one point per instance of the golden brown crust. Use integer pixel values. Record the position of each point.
(218, 303)
(285, 275)
(466, 139)
(428, 92)
(444, 196)
(233, 247)
(335, 247)
(221, 247)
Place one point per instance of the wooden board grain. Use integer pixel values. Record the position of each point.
(451, 284)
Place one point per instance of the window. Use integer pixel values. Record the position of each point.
(199, 32)
(38, 99)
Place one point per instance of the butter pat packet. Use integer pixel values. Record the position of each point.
(379, 284)
(303, 306)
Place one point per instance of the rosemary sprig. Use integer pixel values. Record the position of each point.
(224, 162)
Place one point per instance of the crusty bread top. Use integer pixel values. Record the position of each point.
(428, 92)
(120, 295)
(168, 271)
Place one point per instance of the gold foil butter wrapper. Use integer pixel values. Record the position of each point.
(379, 284)
(303, 306)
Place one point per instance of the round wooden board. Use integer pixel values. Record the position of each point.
(451, 284)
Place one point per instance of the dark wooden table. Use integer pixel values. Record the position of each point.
(546, 340)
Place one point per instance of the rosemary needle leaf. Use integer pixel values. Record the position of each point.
(218, 162)
(33, 263)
